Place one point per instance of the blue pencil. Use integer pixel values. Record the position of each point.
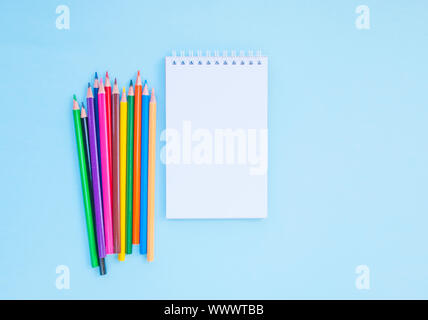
(144, 167)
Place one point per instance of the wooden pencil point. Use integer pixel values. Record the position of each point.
(89, 93)
(75, 105)
(138, 82)
(146, 90)
(131, 91)
(107, 82)
(83, 112)
(123, 99)
(115, 88)
(101, 90)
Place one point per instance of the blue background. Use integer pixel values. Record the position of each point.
(348, 149)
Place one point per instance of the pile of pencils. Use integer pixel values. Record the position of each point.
(116, 139)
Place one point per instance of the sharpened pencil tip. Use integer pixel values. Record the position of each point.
(123, 99)
(115, 81)
(101, 89)
(146, 90)
(89, 85)
(138, 82)
(96, 75)
(74, 97)
(83, 111)
(106, 74)
(130, 83)
(115, 87)
(75, 105)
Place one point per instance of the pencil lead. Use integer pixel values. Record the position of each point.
(115, 81)
(106, 74)
(89, 85)
(138, 73)
(130, 84)
(74, 97)
(96, 75)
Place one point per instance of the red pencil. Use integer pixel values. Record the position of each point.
(137, 161)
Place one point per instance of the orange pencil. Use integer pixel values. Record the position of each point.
(137, 162)
(151, 179)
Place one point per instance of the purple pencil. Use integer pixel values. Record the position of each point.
(96, 185)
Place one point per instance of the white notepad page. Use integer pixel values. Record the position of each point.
(215, 143)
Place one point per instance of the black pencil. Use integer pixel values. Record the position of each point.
(85, 134)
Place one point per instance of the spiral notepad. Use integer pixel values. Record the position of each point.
(216, 146)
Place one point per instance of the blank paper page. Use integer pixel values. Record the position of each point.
(215, 147)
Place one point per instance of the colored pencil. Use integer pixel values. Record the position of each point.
(85, 133)
(123, 129)
(144, 170)
(137, 162)
(107, 89)
(151, 179)
(115, 167)
(97, 121)
(105, 169)
(85, 185)
(129, 169)
(96, 183)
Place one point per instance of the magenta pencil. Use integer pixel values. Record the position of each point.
(105, 169)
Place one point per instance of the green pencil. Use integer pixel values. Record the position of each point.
(85, 185)
(129, 169)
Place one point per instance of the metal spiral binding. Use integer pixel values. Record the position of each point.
(224, 59)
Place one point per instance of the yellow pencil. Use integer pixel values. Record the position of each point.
(151, 179)
(123, 130)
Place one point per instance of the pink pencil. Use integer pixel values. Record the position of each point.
(105, 169)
